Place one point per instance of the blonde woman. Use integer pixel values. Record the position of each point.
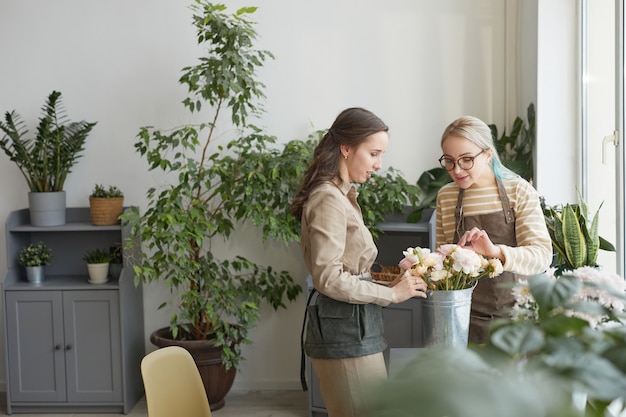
(493, 211)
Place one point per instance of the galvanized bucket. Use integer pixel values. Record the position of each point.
(35, 274)
(446, 318)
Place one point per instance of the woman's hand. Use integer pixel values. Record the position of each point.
(478, 241)
(407, 286)
(405, 263)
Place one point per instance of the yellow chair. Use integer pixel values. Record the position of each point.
(173, 384)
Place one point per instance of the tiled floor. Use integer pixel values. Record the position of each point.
(238, 404)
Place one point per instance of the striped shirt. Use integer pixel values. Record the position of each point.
(533, 253)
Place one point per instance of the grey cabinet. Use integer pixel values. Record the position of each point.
(82, 327)
(403, 322)
(71, 346)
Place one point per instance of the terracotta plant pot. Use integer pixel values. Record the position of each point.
(216, 378)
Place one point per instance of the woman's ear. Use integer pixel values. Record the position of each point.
(345, 151)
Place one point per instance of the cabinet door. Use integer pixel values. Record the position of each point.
(403, 324)
(35, 343)
(93, 345)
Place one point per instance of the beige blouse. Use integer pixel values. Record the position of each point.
(338, 248)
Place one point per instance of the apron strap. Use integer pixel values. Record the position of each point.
(458, 216)
(509, 216)
(302, 355)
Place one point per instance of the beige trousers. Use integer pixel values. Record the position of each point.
(343, 382)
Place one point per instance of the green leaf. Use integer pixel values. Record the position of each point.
(574, 239)
(518, 340)
(549, 292)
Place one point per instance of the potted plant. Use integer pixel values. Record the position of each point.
(34, 258)
(105, 205)
(117, 261)
(46, 159)
(98, 265)
(574, 235)
(214, 189)
(217, 300)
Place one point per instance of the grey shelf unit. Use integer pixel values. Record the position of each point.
(403, 321)
(71, 346)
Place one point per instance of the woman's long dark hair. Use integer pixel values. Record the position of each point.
(351, 127)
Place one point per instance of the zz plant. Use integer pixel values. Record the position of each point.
(47, 158)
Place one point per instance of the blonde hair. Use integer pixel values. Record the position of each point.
(477, 132)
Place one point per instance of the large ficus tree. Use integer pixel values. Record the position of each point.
(212, 189)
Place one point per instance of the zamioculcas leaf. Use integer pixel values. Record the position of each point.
(575, 247)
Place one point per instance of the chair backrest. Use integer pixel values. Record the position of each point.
(173, 384)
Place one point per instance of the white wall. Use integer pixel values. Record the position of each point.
(418, 64)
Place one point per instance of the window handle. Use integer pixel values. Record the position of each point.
(609, 139)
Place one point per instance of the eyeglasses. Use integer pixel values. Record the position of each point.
(465, 163)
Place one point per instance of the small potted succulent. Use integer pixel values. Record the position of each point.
(105, 205)
(34, 258)
(98, 265)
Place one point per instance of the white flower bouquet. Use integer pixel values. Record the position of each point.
(450, 267)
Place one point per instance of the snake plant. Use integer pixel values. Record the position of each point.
(574, 235)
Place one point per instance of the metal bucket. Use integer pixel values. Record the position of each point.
(446, 318)
(35, 274)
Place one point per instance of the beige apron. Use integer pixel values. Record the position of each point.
(492, 297)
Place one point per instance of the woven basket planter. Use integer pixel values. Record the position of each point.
(105, 211)
(385, 272)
